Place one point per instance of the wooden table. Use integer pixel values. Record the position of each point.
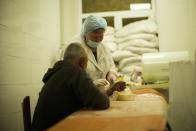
(160, 87)
(145, 113)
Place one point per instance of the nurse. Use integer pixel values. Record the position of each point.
(100, 67)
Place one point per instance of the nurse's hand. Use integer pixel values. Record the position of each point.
(111, 77)
(100, 82)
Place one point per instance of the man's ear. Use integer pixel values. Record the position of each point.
(83, 63)
(85, 39)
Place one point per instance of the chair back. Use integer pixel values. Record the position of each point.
(26, 113)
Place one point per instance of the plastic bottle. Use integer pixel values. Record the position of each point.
(139, 79)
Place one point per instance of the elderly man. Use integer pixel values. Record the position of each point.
(100, 67)
(67, 89)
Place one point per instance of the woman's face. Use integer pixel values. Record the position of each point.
(96, 36)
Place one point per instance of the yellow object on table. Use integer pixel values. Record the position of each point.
(125, 95)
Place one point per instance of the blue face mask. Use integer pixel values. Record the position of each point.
(92, 44)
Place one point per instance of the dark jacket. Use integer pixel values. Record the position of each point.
(67, 89)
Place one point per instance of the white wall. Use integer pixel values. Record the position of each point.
(177, 32)
(177, 25)
(29, 40)
(182, 109)
(71, 19)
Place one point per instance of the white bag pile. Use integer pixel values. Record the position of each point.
(133, 40)
(109, 39)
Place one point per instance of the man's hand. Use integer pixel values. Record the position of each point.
(118, 86)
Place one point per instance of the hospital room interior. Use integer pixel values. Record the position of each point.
(152, 44)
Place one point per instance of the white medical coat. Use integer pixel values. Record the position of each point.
(97, 69)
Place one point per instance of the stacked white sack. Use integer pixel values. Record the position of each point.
(109, 39)
(133, 40)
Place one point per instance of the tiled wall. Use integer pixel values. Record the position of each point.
(29, 43)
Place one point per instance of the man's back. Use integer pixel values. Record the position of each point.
(67, 89)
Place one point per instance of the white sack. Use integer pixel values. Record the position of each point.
(111, 46)
(137, 43)
(109, 31)
(129, 69)
(108, 38)
(128, 61)
(143, 26)
(119, 55)
(144, 36)
(140, 50)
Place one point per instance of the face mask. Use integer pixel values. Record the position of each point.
(92, 44)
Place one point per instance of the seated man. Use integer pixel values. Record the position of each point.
(67, 89)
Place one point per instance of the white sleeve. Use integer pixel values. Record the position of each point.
(110, 60)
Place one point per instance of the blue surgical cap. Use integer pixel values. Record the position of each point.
(92, 23)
